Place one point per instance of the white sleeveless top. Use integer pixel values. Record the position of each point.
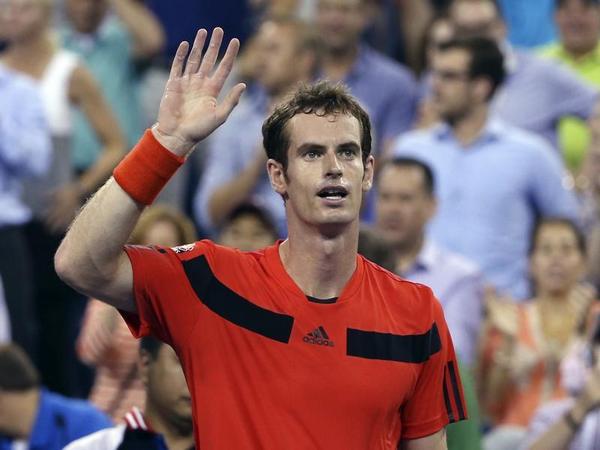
(54, 86)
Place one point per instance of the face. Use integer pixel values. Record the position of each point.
(86, 15)
(452, 87)
(556, 263)
(340, 23)
(166, 387)
(325, 178)
(247, 233)
(277, 56)
(163, 233)
(403, 204)
(579, 25)
(20, 19)
(477, 19)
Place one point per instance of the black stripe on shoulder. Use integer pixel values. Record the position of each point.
(232, 307)
(412, 348)
(456, 391)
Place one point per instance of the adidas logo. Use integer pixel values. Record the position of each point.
(318, 336)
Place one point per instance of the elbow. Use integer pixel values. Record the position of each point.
(64, 266)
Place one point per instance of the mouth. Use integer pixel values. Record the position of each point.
(333, 193)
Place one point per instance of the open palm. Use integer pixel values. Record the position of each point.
(189, 110)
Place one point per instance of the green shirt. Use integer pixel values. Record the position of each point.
(466, 435)
(109, 57)
(573, 135)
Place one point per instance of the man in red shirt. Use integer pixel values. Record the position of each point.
(302, 345)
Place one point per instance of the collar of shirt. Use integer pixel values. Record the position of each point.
(360, 66)
(491, 131)
(426, 258)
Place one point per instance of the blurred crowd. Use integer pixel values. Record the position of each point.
(486, 130)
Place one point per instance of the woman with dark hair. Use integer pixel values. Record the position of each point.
(524, 344)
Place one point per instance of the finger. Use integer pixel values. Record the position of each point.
(229, 102)
(210, 57)
(226, 63)
(179, 60)
(193, 61)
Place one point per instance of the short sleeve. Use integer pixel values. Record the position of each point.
(573, 95)
(437, 398)
(166, 305)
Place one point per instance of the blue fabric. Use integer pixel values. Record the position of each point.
(490, 194)
(25, 146)
(530, 22)
(61, 420)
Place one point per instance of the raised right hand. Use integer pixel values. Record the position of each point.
(189, 110)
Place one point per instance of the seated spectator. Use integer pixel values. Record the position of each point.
(573, 423)
(524, 344)
(106, 343)
(235, 170)
(405, 204)
(493, 180)
(166, 422)
(248, 228)
(32, 417)
(579, 31)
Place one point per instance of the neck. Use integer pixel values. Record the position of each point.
(579, 52)
(553, 300)
(337, 63)
(323, 271)
(407, 252)
(29, 55)
(176, 438)
(20, 413)
(468, 128)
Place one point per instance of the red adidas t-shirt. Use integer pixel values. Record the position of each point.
(269, 369)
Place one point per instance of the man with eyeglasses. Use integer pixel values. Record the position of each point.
(494, 180)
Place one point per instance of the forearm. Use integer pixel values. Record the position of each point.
(91, 254)
(231, 194)
(560, 435)
(147, 32)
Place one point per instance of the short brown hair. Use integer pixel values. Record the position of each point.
(17, 372)
(322, 99)
(186, 233)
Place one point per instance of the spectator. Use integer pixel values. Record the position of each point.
(524, 344)
(25, 150)
(106, 343)
(573, 423)
(493, 179)
(286, 54)
(405, 204)
(248, 228)
(32, 417)
(579, 27)
(537, 92)
(167, 420)
(110, 45)
(55, 199)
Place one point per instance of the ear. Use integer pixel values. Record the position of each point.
(483, 87)
(367, 182)
(277, 177)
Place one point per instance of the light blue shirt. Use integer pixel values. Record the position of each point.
(25, 145)
(490, 194)
(458, 285)
(230, 150)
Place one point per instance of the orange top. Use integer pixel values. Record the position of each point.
(533, 380)
(269, 369)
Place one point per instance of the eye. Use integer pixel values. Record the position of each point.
(311, 154)
(348, 153)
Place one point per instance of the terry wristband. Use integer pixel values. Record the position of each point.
(146, 169)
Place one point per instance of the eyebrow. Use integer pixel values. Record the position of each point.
(350, 145)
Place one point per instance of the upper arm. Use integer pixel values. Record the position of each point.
(436, 441)
(85, 92)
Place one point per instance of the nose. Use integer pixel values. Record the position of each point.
(333, 167)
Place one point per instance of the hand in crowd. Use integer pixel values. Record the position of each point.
(189, 110)
(63, 206)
